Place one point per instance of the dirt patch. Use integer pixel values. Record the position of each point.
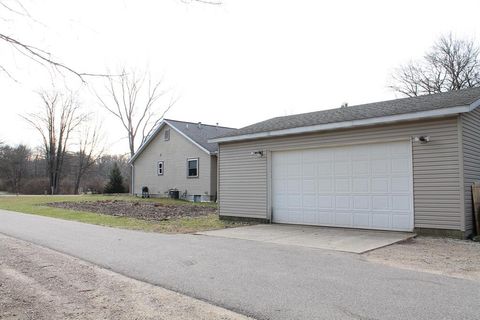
(41, 284)
(456, 258)
(152, 211)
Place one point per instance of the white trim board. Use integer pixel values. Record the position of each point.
(155, 133)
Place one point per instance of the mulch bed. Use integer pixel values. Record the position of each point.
(152, 211)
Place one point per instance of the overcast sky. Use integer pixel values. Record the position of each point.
(239, 63)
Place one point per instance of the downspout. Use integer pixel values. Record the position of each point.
(133, 180)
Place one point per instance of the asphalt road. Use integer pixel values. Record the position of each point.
(266, 281)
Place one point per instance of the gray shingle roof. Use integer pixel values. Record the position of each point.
(201, 133)
(364, 111)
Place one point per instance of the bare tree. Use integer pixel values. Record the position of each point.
(88, 153)
(29, 51)
(13, 165)
(60, 116)
(37, 54)
(451, 64)
(132, 99)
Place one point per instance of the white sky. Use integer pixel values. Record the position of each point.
(239, 63)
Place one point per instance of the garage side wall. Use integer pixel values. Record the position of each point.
(436, 169)
(470, 123)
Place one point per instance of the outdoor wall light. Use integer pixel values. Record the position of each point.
(259, 154)
(422, 139)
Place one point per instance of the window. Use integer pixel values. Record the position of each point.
(160, 168)
(192, 168)
(166, 136)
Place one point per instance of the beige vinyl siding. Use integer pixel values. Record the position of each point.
(436, 170)
(470, 123)
(174, 153)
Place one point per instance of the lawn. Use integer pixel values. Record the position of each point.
(38, 205)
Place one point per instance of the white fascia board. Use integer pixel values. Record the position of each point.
(353, 123)
(187, 137)
(146, 143)
(160, 126)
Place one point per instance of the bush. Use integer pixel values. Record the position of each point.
(35, 186)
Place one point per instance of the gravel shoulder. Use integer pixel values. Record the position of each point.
(455, 258)
(39, 283)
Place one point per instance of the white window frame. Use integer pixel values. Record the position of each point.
(161, 171)
(188, 167)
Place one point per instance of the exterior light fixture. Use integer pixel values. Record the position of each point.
(259, 154)
(422, 139)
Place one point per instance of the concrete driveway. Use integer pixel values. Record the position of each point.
(339, 239)
(259, 279)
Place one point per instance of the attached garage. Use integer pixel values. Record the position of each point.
(400, 165)
(360, 186)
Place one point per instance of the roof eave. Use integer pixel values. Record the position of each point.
(352, 123)
(150, 139)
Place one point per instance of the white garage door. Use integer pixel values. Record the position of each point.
(363, 186)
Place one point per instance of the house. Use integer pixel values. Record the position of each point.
(405, 165)
(178, 156)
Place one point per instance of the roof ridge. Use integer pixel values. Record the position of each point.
(376, 102)
(203, 124)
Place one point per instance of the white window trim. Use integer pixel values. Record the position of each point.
(163, 168)
(188, 167)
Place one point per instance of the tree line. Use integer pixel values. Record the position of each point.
(25, 171)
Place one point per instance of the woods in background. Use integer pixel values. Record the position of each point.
(24, 171)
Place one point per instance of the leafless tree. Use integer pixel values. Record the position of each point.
(13, 165)
(30, 51)
(60, 116)
(89, 151)
(133, 100)
(451, 64)
(36, 53)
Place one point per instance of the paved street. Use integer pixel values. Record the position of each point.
(263, 280)
(41, 284)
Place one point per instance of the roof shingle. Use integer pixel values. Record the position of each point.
(364, 111)
(200, 133)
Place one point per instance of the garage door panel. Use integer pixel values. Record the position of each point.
(361, 186)
(344, 219)
(325, 168)
(342, 202)
(401, 221)
(362, 220)
(324, 185)
(401, 202)
(324, 218)
(401, 166)
(325, 202)
(342, 168)
(400, 184)
(309, 185)
(309, 201)
(380, 185)
(309, 170)
(343, 185)
(361, 202)
(381, 220)
(380, 166)
(361, 167)
(380, 203)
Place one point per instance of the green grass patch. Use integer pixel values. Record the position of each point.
(38, 205)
